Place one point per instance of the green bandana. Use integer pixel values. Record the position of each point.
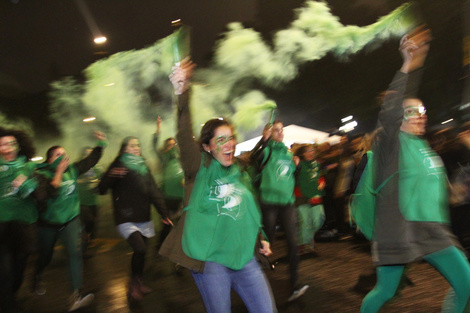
(223, 219)
(134, 163)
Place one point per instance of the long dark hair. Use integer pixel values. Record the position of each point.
(50, 151)
(124, 144)
(208, 130)
(25, 143)
(301, 150)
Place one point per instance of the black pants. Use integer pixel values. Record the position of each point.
(139, 245)
(17, 242)
(288, 218)
(175, 207)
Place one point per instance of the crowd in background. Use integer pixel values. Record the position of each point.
(228, 208)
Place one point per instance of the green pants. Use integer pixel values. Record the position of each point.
(70, 235)
(450, 262)
(311, 219)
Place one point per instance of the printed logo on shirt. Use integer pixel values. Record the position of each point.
(432, 161)
(228, 200)
(283, 169)
(9, 191)
(68, 187)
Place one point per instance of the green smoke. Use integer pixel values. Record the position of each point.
(127, 91)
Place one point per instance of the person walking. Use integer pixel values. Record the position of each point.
(60, 217)
(134, 191)
(411, 213)
(218, 234)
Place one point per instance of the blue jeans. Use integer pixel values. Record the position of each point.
(71, 237)
(250, 283)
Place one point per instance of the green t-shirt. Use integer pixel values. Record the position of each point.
(173, 180)
(277, 178)
(66, 205)
(422, 185)
(87, 184)
(307, 178)
(16, 204)
(223, 219)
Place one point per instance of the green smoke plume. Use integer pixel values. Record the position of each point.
(128, 90)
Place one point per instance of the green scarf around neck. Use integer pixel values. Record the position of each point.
(134, 163)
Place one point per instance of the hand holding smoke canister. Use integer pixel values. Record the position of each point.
(181, 42)
(181, 76)
(272, 118)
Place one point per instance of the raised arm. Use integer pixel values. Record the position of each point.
(91, 160)
(413, 48)
(190, 154)
(156, 136)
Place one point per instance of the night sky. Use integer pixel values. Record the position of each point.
(43, 41)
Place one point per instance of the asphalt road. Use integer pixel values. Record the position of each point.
(331, 276)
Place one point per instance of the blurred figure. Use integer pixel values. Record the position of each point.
(217, 236)
(309, 186)
(411, 214)
(341, 192)
(59, 218)
(20, 189)
(134, 191)
(87, 184)
(276, 192)
(173, 178)
(457, 159)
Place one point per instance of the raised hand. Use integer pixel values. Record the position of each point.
(181, 75)
(414, 48)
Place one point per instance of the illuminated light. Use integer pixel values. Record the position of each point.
(347, 118)
(220, 118)
(176, 22)
(100, 40)
(464, 106)
(449, 120)
(348, 127)
(89, 119)
(108, 85)
(36, 158)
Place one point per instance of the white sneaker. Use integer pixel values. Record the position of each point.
(80, 301)
(298, 293)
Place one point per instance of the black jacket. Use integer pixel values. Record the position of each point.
(132, 195)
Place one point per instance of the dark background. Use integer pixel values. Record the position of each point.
(44, 41)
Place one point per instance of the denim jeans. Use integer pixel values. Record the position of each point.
(71, 237)
(250, 283)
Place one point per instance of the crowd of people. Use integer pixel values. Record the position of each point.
(220, 213)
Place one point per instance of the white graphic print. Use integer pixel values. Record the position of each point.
(10, 191)
(431, 161)
(283, 169)
(228, 200)
(69, 187)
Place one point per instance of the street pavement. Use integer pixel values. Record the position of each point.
(331, 275)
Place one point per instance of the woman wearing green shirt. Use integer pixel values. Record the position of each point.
(411, 212)
(18, 213)
(59, 218)
(221, 222)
